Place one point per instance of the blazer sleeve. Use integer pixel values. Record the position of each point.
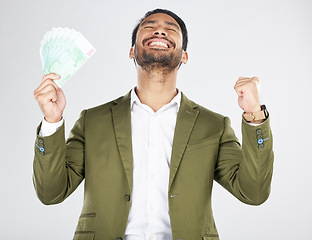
(246, 171)
(58, 166)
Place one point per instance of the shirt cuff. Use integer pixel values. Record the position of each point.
(47, 129)
(254, 124)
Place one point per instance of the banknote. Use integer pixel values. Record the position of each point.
(64, 51)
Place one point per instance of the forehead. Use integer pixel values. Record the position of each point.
(161, 18)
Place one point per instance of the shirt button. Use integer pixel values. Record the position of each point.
(40, 140)
(119, 238)
(127, 198)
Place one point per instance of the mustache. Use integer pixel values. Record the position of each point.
(147, 39)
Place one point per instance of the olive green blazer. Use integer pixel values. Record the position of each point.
(204, 149)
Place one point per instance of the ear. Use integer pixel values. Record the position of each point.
(184, 57)
(131, 53)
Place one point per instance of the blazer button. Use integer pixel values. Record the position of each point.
(119, 238)
(127, 198)
(40, 145)
(40, 140)
(41, 148)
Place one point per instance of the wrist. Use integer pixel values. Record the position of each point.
(258, 116)
(53, 120)
(253, 110)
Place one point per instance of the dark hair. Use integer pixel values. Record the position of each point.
(171, 14)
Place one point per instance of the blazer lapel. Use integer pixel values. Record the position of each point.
(185, 122)
(122, 126)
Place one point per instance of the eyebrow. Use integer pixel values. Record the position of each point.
(153, 22)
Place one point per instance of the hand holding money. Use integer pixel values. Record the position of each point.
(51, 98)
(64, 51)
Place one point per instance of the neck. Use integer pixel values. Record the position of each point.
(156, 88)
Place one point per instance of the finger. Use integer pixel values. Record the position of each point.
(240, 84)
(256, 79)
(246, 79)
(48, 77)
(239, 91)
(44, 88)
(53, 76)
(46, 82)
(242, 81)
(47, 96)
(240, 87)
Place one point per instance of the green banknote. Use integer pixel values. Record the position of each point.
(64, 51)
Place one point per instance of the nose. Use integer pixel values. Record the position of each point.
(160, 33)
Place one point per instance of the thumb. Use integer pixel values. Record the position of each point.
(239, 90)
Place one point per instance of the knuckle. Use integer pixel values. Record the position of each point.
(254, 81)
(49, 87)
(39, 98)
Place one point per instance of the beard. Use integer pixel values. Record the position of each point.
(157, 61)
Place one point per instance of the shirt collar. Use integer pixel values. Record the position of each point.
(175, 100)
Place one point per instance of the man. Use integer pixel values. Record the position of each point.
(149, 158)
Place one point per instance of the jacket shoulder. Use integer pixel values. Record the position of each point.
(106, 107)
(207, 113)
(203, 111)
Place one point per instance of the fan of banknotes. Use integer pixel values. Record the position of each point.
(64, 51)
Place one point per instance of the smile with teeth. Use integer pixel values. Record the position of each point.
(160, 44)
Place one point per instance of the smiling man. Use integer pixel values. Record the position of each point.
(149, 158)
(156, 48)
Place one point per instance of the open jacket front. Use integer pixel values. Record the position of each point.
(99, 151)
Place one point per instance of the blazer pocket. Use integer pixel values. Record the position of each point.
(84, 236)
(85, 229)
(211, 237)
(202, 144)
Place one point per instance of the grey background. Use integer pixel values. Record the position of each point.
(228, 39)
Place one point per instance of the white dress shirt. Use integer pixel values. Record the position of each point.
(152, 137)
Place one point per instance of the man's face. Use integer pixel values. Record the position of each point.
(159, 43)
